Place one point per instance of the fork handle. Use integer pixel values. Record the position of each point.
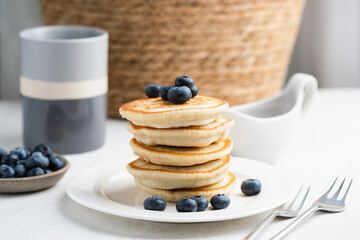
(260, 227)
(304, 216)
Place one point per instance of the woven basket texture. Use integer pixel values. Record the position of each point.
(237, 50)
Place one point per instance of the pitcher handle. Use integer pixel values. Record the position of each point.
(304, 86)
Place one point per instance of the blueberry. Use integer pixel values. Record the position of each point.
(35, 172)
(186, 205)
(251, 187)
(152, 90)
(10, 159)
(155, 203)
(179, 95)
(21, 152)
(23, 162)
(202, 203)
(6, 171)
(56, 163)
(2, 152)
(48, 171)
(37, 159)
(194, 91)
(184, 81)
(20, 170)
(220, 201)
(44, 148)
(28, 152)
(164, 90)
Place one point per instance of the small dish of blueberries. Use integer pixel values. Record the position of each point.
(28, 170)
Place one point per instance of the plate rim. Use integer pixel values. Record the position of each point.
(182, 218)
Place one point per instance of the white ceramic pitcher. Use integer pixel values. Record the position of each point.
(264, 128)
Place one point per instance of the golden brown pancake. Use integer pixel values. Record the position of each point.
(170, 177)
(181, 156)
(193, 136)
(224, 186)
(158, 113)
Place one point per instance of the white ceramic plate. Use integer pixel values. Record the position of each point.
(110, 189)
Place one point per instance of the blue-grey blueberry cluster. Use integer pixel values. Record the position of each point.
(24, 162)
(183, 91)
(194, 204)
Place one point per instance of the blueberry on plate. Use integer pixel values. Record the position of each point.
(154, 203)
(20, 170)
(44, 148)
(184, 81)
(21, 152)
(10, 159)
(202, 203)
(251, 187)
(56, 163)
(48, 171)
(194, 91)
(164, 90)
(186, 205)
(6, 171)
(37, 159)
(35, 172)
(220, 201)
(152, 90)
(179, 95)
(3, 152)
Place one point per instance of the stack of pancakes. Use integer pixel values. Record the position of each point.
(183, 149)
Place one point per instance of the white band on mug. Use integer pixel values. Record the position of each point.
(47, 90)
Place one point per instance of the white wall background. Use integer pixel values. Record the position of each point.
(15, 15)
(328, 44)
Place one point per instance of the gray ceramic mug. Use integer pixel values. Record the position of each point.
(63, 84)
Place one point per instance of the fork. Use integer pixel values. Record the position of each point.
(325, 203)
(285, 210)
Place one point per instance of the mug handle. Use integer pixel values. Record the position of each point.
(304, 86)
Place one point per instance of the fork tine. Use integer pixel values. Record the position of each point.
(336, 195)
(304, 199)
(328, 191)
(295, 198)
(347, 190)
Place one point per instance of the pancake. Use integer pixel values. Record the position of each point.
(158, 113)
(224, 186)
(193, 136)
(170, 177)
(181, 156)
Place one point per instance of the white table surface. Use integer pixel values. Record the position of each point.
(327, 145)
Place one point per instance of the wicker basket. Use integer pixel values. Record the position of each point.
(238, 50)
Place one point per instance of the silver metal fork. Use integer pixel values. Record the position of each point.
(285, 210)
(325, 203)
